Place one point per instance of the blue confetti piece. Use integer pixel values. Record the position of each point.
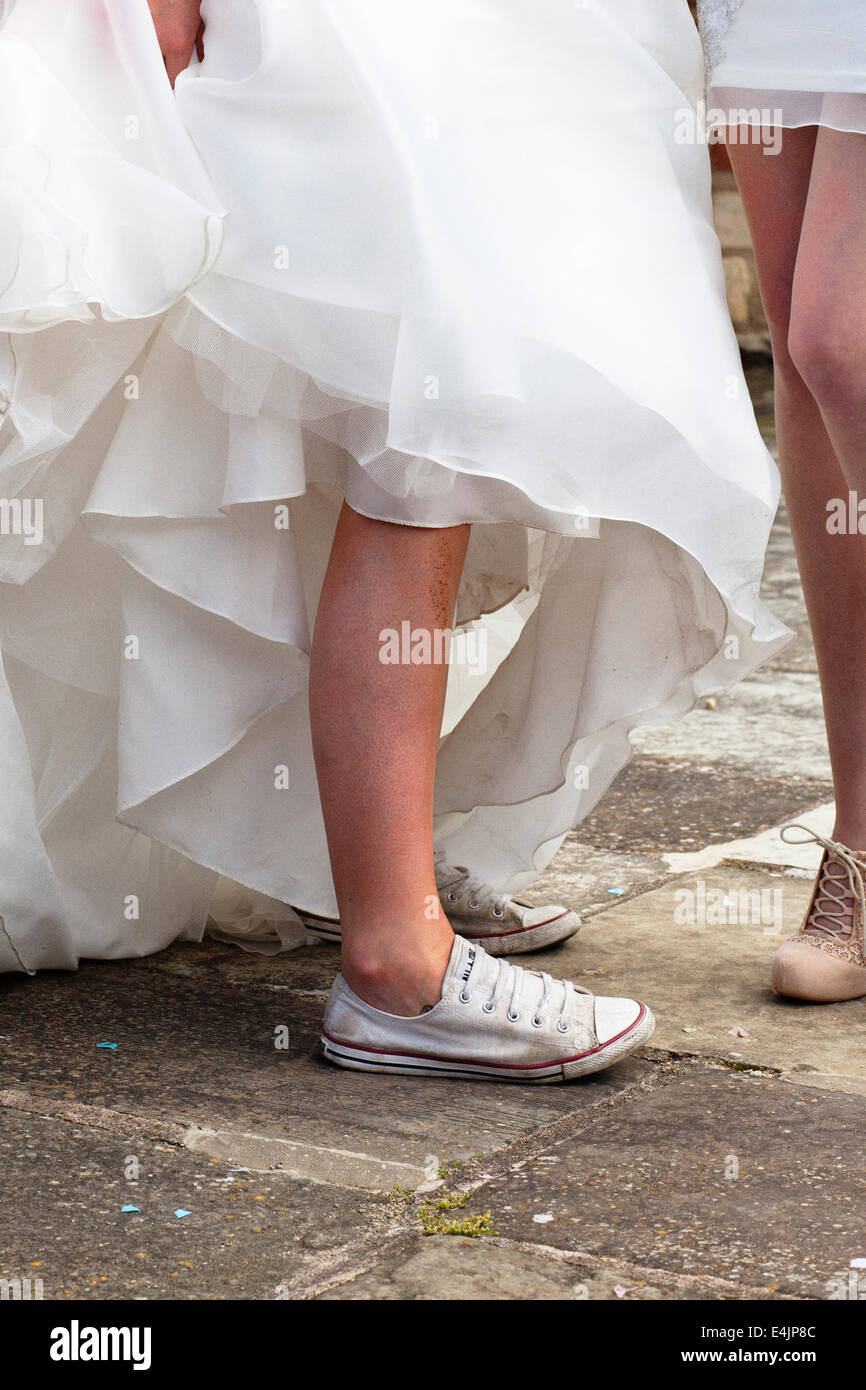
(130, 1208)
(180, 1212)
(111, 1045)
(617, 892)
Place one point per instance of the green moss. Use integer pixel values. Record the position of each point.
(400, 1194)
(449, 1166)
(435, 1222)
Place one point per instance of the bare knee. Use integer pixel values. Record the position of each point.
(789, 384)
(829, 353)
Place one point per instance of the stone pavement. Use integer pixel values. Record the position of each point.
(210, 1153)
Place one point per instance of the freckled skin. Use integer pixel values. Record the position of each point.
(442, 595)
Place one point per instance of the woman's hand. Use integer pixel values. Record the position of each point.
(179, 29)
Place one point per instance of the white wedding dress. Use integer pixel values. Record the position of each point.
(443, 259)
(804, 59)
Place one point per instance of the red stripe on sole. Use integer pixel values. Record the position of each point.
(475, 1062)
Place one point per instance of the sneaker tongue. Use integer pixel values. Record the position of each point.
(470, 968)
(446, 873)
(462, 966)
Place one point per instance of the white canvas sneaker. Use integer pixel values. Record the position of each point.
(504, 926)
(494, 1020)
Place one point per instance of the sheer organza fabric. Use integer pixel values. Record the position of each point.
(804, 61)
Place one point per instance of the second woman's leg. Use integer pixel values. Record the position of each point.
(828, 344)
(809, 227)
(807, 260)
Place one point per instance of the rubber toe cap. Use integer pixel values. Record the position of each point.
(614, 1016)
(801, 971)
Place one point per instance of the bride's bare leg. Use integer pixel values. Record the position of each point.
(375, 733)
(807, 212)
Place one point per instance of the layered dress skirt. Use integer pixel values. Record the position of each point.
(443, 260)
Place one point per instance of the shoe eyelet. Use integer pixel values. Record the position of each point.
(451, 898)
(537, 1022)
(512, 1018)
(562, 1027)
(497, 912)
(464, 997)
(488, 1007)
(473, 902)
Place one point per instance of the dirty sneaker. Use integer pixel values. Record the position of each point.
(494, 1020)
(504, 926)
(825, 962)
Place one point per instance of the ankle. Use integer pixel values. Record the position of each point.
(851, 834)
(401, 975)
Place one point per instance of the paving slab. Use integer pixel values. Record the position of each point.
(62, 1187)
(799, 655)
(715, 1176)
(454, 1268)
(771, 724)
(587, 878)
(659, 806)
(800, 856)
(666, 948)
(306, 971)
(204, 1054)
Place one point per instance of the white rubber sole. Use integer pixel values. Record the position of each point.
(508, 943)
(325, 928)
(356, 1058)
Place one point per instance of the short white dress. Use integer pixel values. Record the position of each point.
(442, 259)
(803, 60)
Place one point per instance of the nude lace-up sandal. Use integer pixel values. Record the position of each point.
(825, 961)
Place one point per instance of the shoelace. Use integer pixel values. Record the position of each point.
(480, 894)
(513, 977)
(837, 910)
